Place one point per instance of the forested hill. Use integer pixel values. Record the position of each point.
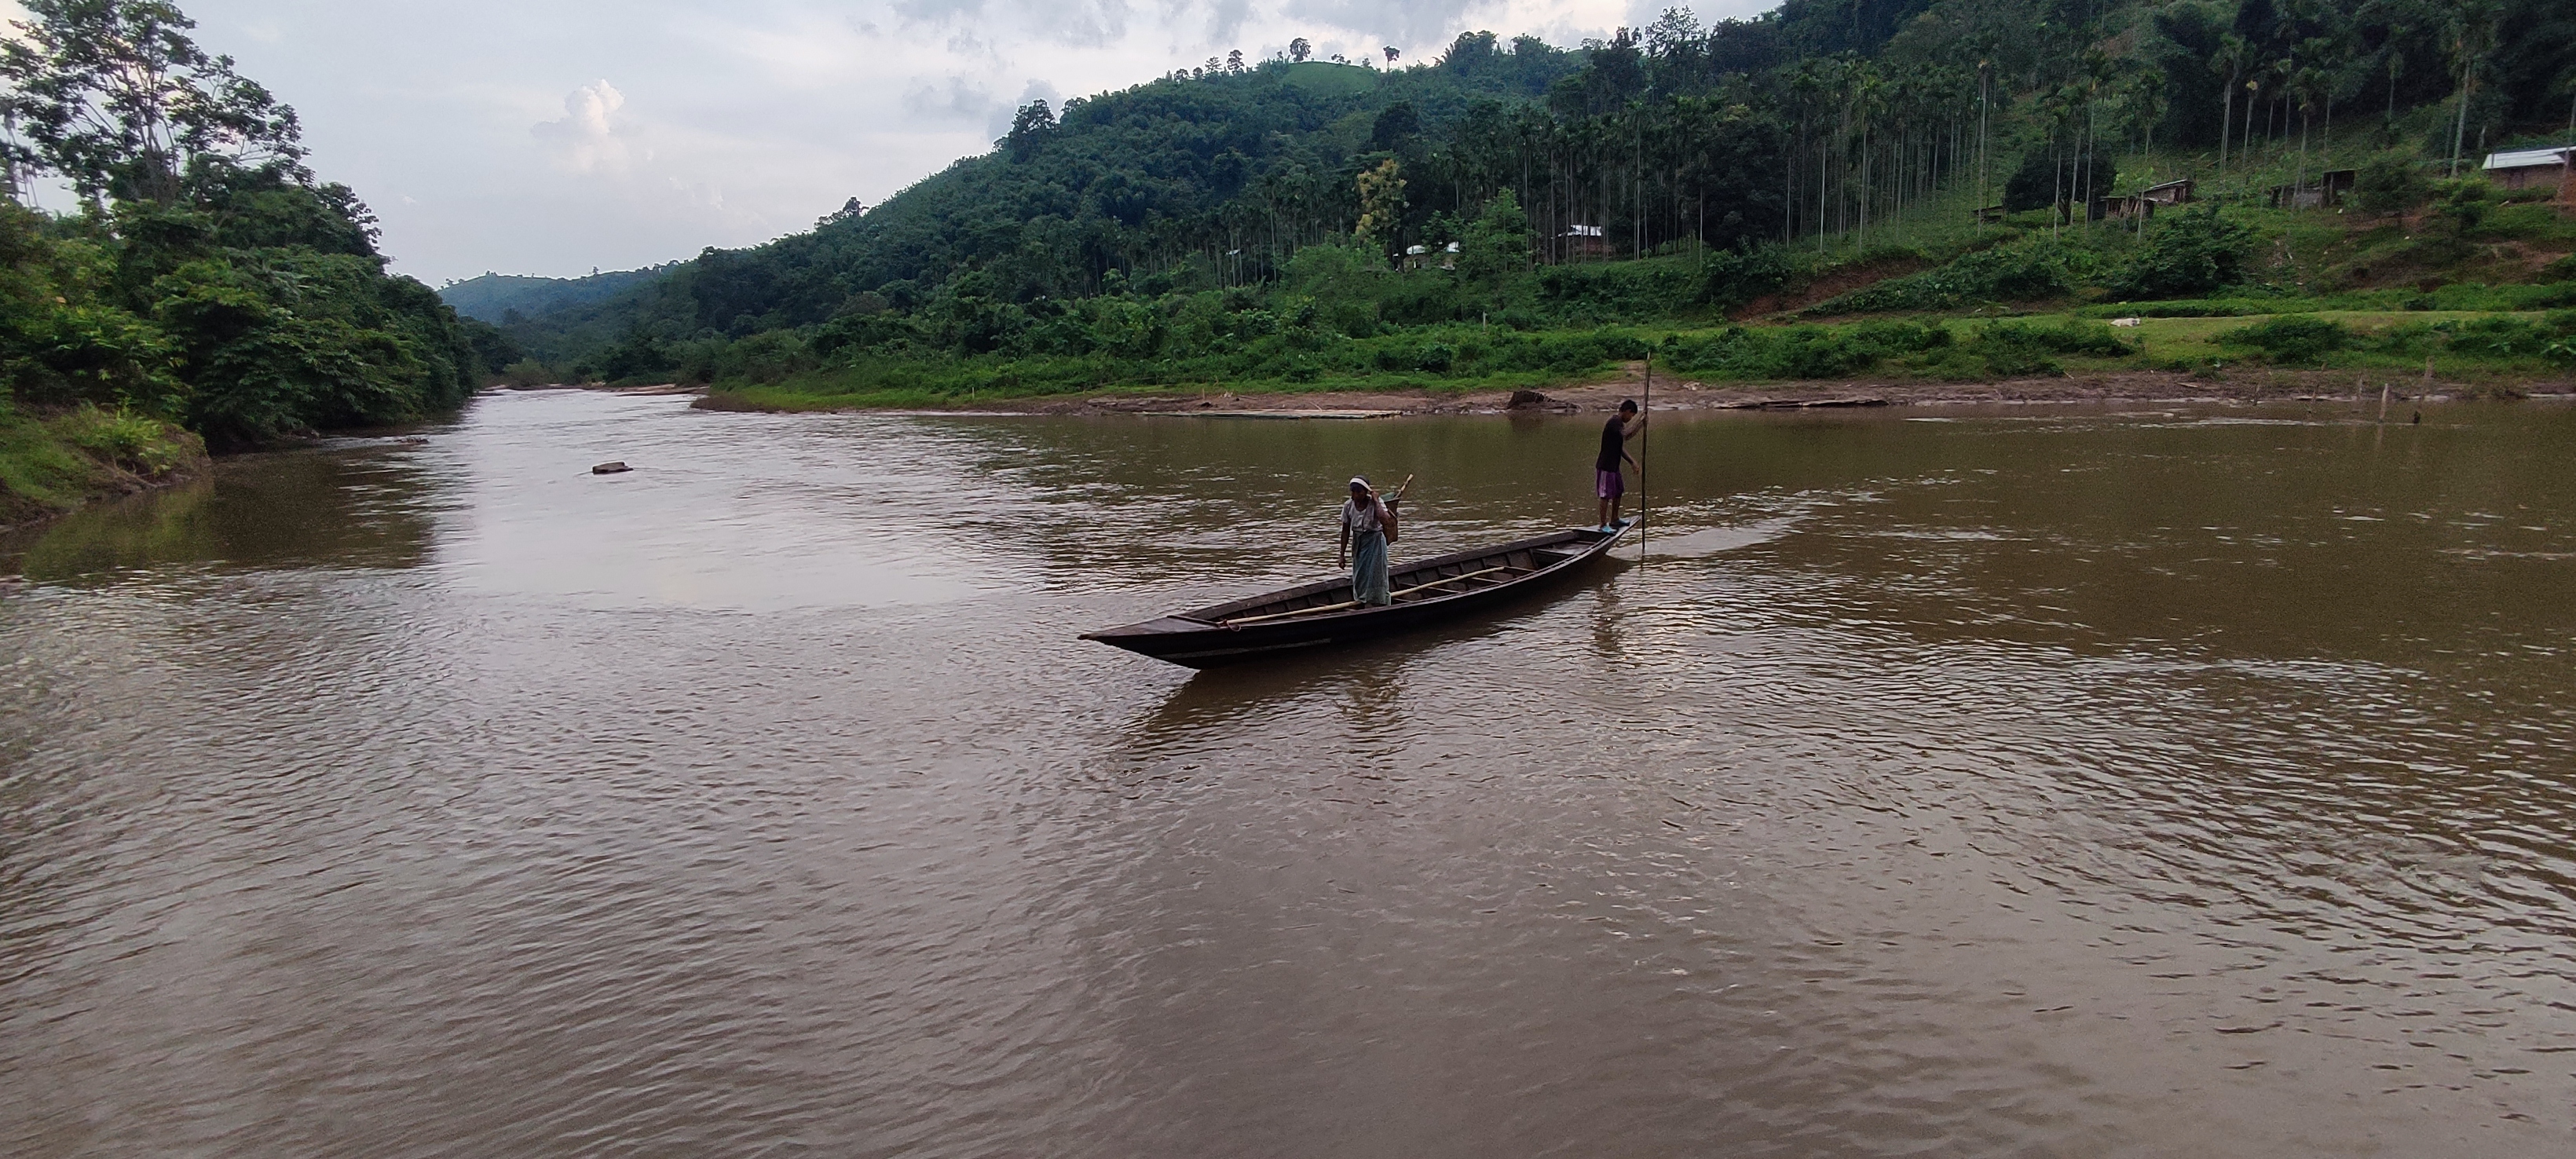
(1819, 118)
(1119, 184)
(499, 298)
(1137, 180)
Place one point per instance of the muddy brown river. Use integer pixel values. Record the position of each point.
(2088, 781)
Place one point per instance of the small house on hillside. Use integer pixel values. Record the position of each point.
(1419, 257)
(1584, 241)
(2169, 193)
(2524, 168)
(2129, 207)
(2327, 190)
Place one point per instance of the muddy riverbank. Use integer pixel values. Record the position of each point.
(1682, 393)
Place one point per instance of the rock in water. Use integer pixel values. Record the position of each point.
(616, 468)
(1524, 399)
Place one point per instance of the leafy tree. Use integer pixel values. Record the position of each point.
(1299, 49)
(1497, 243)
(211, 279)
(1395, 128)
(114, 96)
(61, 341)
(1381, 195)
(1029, 127)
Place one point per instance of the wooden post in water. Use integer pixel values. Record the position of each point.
(1645, 416)
(2383, 400)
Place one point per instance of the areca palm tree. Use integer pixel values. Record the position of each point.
(2310, 86)
(2471, 37)
(2232, 55)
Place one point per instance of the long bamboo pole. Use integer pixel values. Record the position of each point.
(1645, 419)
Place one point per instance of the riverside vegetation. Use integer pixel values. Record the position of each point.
(1786, 197)
(207, 289)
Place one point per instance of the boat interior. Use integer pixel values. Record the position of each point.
(1432, 579)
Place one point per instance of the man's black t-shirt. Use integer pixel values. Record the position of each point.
(1611, 438)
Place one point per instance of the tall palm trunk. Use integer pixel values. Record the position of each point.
(2226, 113)
(2460, 127)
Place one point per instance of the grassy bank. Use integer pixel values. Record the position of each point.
(2498, 349)
(51, 463)
(2477, 281)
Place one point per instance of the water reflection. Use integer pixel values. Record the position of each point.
(341, 506)
(2033, 781)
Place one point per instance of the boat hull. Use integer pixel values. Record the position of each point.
(1313, 615)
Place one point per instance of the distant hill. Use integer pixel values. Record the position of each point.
(492, 297)
(1118, 184)
(1200, 192)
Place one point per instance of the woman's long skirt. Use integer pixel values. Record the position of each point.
(1368, 569)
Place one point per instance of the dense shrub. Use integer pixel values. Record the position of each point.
(2294, 339)
(1731, 278)
(2185, 257)
(2022, 350)
(2498, 337)
(2463, 204)
(1801, 351)
(2390, 183)
(1619, 289)
(2016, 273)
(2068, 337)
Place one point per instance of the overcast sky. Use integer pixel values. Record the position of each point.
(554, 136)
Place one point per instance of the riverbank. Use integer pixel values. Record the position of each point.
(52, 464)
(1685, 393)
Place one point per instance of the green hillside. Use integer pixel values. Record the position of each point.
(1248, 224)
(510, 298)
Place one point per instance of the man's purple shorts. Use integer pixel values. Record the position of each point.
(1609, 485)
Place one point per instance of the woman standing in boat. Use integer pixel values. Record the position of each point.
(1368, 525)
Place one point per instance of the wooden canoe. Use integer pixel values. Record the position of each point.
(1315, 614)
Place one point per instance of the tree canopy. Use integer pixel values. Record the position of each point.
(208, 277)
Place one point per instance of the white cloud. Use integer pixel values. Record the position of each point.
(586, 140)
(950, 99)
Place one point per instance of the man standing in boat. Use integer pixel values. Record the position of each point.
(1608, 481)
(1368, 525)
